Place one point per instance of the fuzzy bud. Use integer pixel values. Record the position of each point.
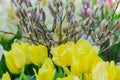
(17, 12)
(103, 25)
(111, 39)
(97, 31)
(92, 35)
(117, 26)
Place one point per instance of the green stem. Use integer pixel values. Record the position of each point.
(82, 76)
(23, 76)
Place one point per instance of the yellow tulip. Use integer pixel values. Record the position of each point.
(25, 47)
(19, 57)
(104, 71)
(117, 77)
(62, 55)
(66, 78)
(83, 57)
(11, 63)
(87, 76)
(38, 54)
(96, 61)
(6, 76)
(69, 78)
(15, 60)
(47, 71)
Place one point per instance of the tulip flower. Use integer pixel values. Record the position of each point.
(83, 57)
(25, 47)
(47, 71)
(96, 61)
(62, 55)
(38, 54)
(15, 60)
(11, 63)
(6, 76)
(117, 68)
(104, 71)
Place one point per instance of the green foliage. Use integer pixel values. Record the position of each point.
(7, 44)
(59, 73)
(112, 52)
(3, 67)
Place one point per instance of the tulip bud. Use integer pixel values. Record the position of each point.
(6, 76)
(47, 71)
(38, 54)
(10, 62)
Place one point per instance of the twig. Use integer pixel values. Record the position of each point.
(111, 16)
(21, 36)
(60, 35)
(107, 48)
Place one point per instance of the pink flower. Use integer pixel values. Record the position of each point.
(111, 3)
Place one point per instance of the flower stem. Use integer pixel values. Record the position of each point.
(23, 76)
(82, 76)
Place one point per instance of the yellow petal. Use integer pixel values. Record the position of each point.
(38, 54)
(117, 69)
(25, 47)
(11, 63)
(19, 57)
(100, 72)
(66, 78)
(6, 76)
(83, 45)
(47, 71)
(96, 61)
(70, 77)
(112, 71)
(62, 55)
(83, 57)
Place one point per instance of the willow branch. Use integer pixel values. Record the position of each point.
(21, 36)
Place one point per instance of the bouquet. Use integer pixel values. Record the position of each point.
(59, 40)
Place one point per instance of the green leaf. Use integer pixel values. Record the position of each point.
(59, 73)
(28, 77)
(3, 67)
(7, 44)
